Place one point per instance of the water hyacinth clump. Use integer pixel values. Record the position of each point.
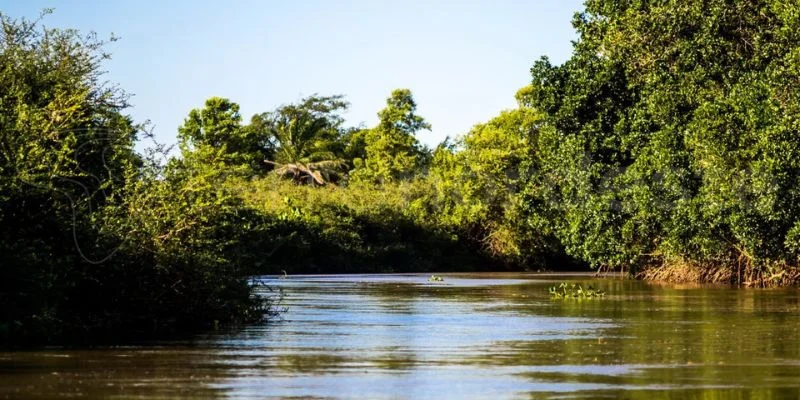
(575, 291)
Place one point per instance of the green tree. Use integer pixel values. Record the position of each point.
(64, 146)
(670, 136)
(83, 217)
(354, 142)
(392, 150)
(306, 138)
(219, 125)
(479, 181)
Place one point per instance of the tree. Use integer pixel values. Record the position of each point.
(94, 239)
(354, 142)
(219, 125)
(306, 137)
(64, 148)
(479, 181)
(392, 150)
(669, 136)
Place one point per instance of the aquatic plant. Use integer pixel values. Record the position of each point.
(565, 291)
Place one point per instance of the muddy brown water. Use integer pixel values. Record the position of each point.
(471, 336)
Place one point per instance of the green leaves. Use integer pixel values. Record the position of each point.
(662, 132)
(565, 290)
(219, 125)
(95, 239)
(306, 139)
(479, 180)
(392, 151)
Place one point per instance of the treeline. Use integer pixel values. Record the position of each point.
(357, 199)
(665, 146)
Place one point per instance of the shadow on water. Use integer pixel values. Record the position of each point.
(473, 335)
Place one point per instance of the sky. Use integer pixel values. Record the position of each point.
(463, 60)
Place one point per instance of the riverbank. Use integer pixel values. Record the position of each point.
(744, 275)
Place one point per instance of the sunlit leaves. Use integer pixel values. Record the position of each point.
(392, 150)
(671, 133)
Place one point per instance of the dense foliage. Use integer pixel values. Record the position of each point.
(93, 237)
(392, 151)
(671, 138)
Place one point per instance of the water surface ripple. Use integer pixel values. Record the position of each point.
(471, 336)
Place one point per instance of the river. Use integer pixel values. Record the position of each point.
(471, 336)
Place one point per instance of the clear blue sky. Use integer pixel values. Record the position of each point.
(462, 59)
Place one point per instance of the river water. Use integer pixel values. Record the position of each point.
(471, 336)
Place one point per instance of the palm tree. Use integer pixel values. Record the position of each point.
(306, 137)
(312, 173)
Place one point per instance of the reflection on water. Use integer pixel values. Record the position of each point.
(480, 335)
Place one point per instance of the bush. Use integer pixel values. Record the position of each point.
(360, 228)
(94, 241)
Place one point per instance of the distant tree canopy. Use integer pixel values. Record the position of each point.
(392, 150)
(307, 142)
(219, 125)
(478, 181)
(307, 139)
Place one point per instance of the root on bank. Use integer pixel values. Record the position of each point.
(742, 272)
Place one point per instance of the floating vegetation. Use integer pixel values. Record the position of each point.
(574, 291)
(435, 278)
